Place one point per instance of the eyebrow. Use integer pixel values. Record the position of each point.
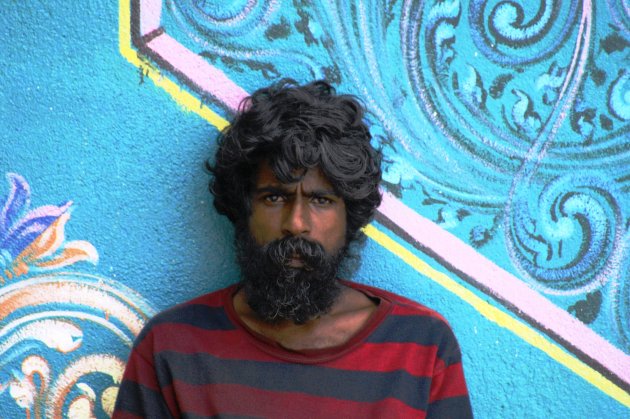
(275, 189)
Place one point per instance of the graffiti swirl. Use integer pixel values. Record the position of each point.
(523, 33)
(69, 333)
(214, 18)
(620, 14)
(569, 241)
(515, 97)
(619, 96)
(621, 301)
(217, 29)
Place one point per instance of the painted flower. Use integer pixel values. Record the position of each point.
(34, 240)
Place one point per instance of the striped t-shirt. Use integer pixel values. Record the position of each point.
(198, 360)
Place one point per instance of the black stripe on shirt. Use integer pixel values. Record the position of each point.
(452, 407)
(420, 330)
(196, 315)
(137, 398)
(360, 386)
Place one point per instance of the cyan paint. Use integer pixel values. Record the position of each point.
(512, 135)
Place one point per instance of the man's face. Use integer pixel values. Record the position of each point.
(292, 247)
(308, 208)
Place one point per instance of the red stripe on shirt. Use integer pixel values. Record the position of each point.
(234, 399)
(232, 344)
(448, 383)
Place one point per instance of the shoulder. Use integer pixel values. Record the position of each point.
(206, 311)
(401, 306)
(411, 322)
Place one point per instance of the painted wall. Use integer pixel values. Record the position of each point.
(505, 127)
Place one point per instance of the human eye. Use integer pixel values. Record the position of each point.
(322, 201)
(273, 198)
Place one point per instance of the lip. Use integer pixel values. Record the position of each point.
(295, 262)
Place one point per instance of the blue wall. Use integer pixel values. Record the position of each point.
(504, 127)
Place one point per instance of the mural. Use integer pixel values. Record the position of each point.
(50, 362)
(505, 128)
(529, 106)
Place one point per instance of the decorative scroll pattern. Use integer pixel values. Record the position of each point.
(63, 335)
(33, 240)
(526, 101)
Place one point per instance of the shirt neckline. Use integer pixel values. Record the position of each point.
(309, 356)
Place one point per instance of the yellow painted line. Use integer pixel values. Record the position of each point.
(191, 103)
(492, 313)
(184, 99)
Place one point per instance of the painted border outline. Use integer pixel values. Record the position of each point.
(593, 358)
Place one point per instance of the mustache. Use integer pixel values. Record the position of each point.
(281, 251)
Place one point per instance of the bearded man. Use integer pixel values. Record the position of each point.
(297, 175)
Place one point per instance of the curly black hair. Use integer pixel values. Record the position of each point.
(298, 127)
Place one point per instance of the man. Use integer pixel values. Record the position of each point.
(297, 176)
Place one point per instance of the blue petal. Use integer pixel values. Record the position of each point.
(17, 202)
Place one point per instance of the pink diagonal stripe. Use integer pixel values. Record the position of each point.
(505, 286)
(450, 249)
(150, 16)
(205, 76)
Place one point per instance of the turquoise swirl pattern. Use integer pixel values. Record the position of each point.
(526, 101)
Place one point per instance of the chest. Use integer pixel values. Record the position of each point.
(371, 382)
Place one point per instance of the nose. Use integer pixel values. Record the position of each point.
(297, 219)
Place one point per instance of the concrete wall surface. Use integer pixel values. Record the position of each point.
(505, 127)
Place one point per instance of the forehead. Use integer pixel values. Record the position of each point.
(314, 177)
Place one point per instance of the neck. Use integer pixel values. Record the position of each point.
(349, 313)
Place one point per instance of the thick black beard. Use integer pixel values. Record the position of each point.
(275, 291)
